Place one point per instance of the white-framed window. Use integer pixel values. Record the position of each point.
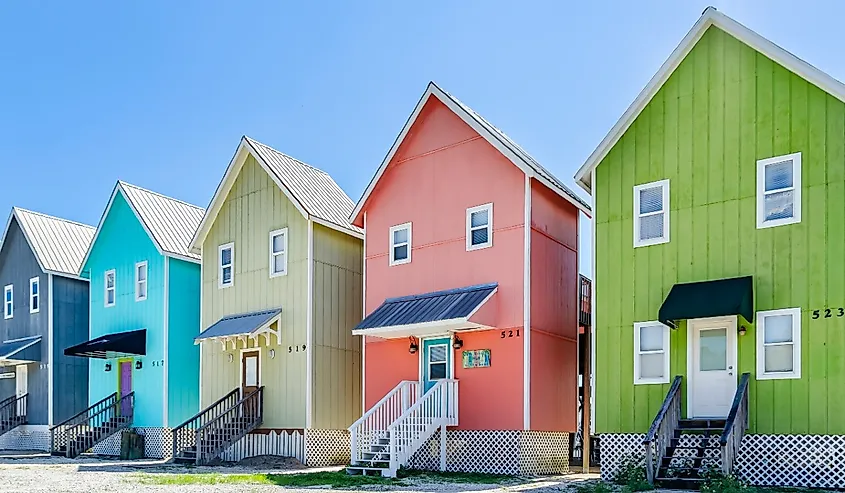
(400, 244)
(480, 227)
(651, 213)
(651, 353)
(226, 265)
(109, 283)
(8, 302)
(34, 295)
(779, 344)
(779, 191)
(141, 281)
(279, 252)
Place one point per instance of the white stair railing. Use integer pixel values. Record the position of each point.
(374, 424)
(436, 409)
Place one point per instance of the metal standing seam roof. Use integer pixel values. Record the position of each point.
(313, 188)
(244, 323)
(58, 244)
(429, 307)
(171, 222)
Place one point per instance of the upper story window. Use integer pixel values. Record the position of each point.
(279, 252)
(141, 281)
(226, 265)
(480, 227)
(651, 213)
(651, 353)
(779, 344)
(8, 302)
(109, 283)
(779, 191)
(400, 244)
(34, 295)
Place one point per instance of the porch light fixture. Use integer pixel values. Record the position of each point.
(457, 343)
(742, 330)
(231, 358)
(272, 353)
(138, 365)
(108, 366)
(413, 347)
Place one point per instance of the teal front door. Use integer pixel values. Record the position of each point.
(436, 361)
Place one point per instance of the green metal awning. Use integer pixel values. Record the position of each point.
(704, 299)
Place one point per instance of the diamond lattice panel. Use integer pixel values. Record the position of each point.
(617, 448)
(157, 443)
(543, 452)
(493, 452)
(26, 437)
(811, 461)
(325, 448)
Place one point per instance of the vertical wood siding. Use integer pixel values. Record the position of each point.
(725, 107)
(70, 327)
(183, 363)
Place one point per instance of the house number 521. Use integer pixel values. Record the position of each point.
(510, 333)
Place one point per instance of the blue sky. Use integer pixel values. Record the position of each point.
(158, 93)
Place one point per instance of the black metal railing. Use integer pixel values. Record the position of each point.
(585, 307)
(735, 425)
(87, 428)
(13, 412)
(185, 435)
(213, 437)
(662, 429)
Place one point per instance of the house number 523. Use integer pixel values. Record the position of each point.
(510, 333)
(828, 313)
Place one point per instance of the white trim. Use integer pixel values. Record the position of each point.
(733, 355)
(273, 234)
(166, 336)
(526, 308)
(220, 266)
(309, 334)
(450, 357)
(593, 310)
(664, 188)
(664, 351)
(392, 260)
(199, 329)
(488, 226)
(8, 304)
(796, 345)
(510, 151)
(256, 349)
(364, 314)
(796, 191)
(710, 17)
(146, 279)
(50, 358)
(331, 225)
(423, 329)
(35, 281)
(106, 288)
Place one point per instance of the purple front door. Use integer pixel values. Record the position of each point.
(125, 386)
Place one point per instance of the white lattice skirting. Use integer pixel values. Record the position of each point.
(808, 461)
(26, 437)
(158, 443)
(325, 448)
(283, 443)
(527, 453)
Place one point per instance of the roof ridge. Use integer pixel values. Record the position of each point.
(287, 156)
(48, 216)
(127, 184)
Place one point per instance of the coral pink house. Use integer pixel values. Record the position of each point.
(471, 296)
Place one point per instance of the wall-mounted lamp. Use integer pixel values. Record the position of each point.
(272, 353)
(457, 343)
(742, 330)
(108, 366)
(138, 365)
(413, 347)
(231, 357)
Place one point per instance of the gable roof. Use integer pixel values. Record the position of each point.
(710, 17)
(170, 223)
(504, 144)
(312, 191)
(59, 245)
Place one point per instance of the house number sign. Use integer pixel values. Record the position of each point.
(828, 313)
(5, 376)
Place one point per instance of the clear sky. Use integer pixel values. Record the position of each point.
(158, 92)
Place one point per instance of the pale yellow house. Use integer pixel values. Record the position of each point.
(282, 282)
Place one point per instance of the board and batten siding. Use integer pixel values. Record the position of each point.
(253, 208)
(183, 358)
(725, 107)
(70, 327)
(338, 291)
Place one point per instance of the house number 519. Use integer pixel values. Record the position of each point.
(510, 333)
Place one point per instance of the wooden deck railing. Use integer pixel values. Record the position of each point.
(662, 429)
(735, 425)
(184, 436)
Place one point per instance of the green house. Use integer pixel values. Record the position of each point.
(719, 263)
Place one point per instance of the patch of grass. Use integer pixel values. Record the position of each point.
(457, 477)
(334, 479)
(593, 487)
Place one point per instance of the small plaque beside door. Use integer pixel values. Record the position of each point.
(476, 358)
(7, 375)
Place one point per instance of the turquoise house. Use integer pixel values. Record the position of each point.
(145, 313)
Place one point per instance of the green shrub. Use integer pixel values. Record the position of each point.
(593, 487)
(716, 482)
(632, 476)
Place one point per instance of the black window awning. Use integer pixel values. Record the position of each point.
(117, 345)
(734, 296)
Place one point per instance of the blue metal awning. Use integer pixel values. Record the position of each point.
(26, 349)
(437, 311)
(244, 324)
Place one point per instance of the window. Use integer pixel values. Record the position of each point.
(400, 244)
(438, 361)
(141, 281)
(779, 191)
(480, 227)
(109, 284)
(651, 213)
(8, 302)
(226, 262)
(779, 344)
(651, 353)
(279, 252)
(34, 295)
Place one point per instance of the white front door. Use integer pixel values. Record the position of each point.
(20, 380)
(712, 362)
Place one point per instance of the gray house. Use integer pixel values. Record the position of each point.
(44, 308)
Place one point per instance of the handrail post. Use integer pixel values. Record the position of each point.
(649, 460)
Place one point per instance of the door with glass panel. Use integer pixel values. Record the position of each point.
(436, 361)
(713, 364)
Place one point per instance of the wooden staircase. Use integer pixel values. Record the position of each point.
(202, 438)
(692, 451)
(83, 431)
(12, 413)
